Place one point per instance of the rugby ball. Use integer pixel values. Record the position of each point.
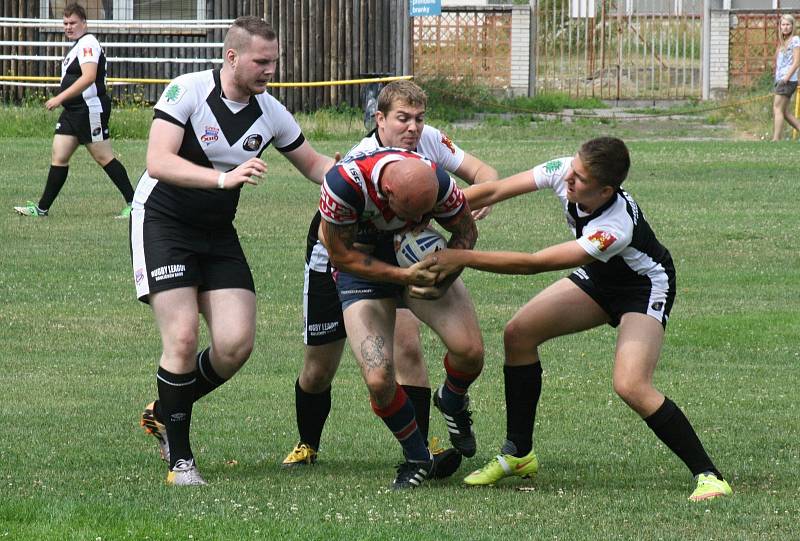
(412, 246)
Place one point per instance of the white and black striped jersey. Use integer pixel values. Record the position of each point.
(220, 134)
(86, 50)
(433, 144)
(616, 234)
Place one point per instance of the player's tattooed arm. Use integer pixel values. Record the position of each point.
(463, 229)
(340, 243)
(464, 236)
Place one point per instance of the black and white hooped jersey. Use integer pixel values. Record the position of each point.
(351, 193)
(433, 144)
(616, 234)
(86, 50)
(219, 134)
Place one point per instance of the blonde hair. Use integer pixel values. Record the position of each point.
(784, 43)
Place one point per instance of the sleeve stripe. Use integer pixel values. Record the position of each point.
(158, 113)
(292, 146)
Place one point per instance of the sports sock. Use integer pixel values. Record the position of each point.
(673, 428)
(119, 176)
(523, 386)
(420, 398)
(207, 378)
(399, 417)
(312, 412)
(56, 178)
(175, 403)
(456, 385)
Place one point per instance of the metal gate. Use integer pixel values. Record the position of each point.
(623, 49)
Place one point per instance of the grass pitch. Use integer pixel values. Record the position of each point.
(78, 356)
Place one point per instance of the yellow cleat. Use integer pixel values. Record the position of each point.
(708, 487)
(301, 455)
(156, 429)
(503, 466)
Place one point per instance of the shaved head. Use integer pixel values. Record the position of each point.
(411, 187)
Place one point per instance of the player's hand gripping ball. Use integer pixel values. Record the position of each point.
(413, 245)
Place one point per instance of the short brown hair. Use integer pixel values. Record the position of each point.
(74, 8)
(606, 159)
(402, 90)
(244, 28)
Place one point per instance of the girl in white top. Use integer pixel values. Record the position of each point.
(787, 60)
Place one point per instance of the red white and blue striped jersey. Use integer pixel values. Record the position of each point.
(351, 191)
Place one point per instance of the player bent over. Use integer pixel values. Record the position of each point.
(625, 279)
(209, 130)
(368, 197)
(400, 123)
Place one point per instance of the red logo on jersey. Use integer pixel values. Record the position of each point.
(453, 202)
(448, 143)
(602, 240)
(333, 210)
(87, 51)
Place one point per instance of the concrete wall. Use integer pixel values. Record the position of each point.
(719, 44)
(520, 49)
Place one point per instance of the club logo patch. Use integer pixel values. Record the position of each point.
(253, 142)
(657, 306)
(87, 51)
(96, 131)
(602, 240)
(174, 93)
(552, 166)
(139, 276)
(211, 134)
(446, 141)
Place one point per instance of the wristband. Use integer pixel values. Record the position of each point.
(221, 181)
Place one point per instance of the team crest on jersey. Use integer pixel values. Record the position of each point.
(253, 142)
(174, 93)
(602, 240)
(211, 134)
(552, 166)
(87, 51)
(448, 143)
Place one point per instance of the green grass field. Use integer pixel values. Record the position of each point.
(78, 356)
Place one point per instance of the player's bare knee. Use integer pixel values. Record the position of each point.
(315, 378)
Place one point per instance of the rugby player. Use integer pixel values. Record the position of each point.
(400, 123)
(625, 279)
(84, 120)
(208, 133)
(365, 199)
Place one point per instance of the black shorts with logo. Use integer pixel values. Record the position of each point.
(168, 254)
(642, 295)
(88, 127)
(323, 322)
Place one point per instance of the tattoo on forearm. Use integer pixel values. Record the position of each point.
(345, 234)
(374, 354)
(464, 230)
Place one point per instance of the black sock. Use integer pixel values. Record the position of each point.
(119, 176)
(523, 386)
(312, 412)
(175, 393)
(421, 400)
(56, 178)
(673, 428)
(207, 378)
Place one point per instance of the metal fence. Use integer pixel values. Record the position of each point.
(623, 49)
(465, 43)
(753, 40)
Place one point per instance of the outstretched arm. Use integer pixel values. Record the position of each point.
(489, 193)
(566, 255)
